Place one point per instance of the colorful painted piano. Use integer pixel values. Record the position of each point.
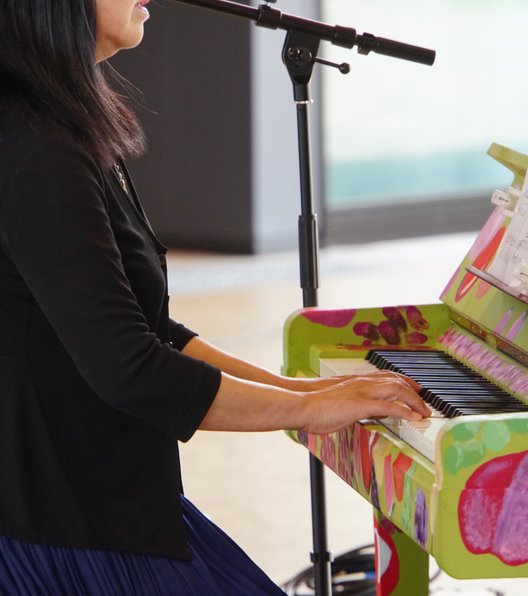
(454, 487)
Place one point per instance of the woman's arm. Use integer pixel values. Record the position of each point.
(242, 405)
(237, 367)
(202, 350)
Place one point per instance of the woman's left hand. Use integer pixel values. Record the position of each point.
(318, 383)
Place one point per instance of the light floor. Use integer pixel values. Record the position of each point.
(256, 486)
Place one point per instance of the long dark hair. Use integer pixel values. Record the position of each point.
(47, 67)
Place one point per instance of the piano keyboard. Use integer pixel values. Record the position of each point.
(448, 387)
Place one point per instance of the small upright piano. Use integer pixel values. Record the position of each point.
(456, 485)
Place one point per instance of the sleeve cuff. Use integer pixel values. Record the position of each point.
(205, 393)
(180, 336)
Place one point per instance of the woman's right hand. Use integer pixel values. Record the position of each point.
(374, 395)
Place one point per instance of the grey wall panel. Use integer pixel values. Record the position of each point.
(221, 172)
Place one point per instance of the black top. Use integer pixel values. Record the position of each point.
(94, 391)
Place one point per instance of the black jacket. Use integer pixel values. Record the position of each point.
(94, 391)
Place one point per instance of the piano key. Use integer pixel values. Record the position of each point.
(429, 392)
(420, 434)
(455, 411)
(440, 398)
(430, 374)
(345, 366)
(454, 382)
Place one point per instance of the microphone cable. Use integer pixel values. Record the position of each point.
(352, 574)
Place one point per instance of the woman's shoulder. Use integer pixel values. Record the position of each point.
(26, 142)
(44, 159)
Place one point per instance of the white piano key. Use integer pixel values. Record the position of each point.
(330, 367)
(419, 434)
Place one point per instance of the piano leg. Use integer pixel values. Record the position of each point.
(402, 567)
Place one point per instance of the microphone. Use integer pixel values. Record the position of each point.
(347, 37)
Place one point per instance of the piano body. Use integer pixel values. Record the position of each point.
(455, 487)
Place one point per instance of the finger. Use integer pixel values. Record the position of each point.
(413, 400)
(389, 374)
(414, 384)
(377, 375)
(398, 390)
(396, 409)
(387, 387)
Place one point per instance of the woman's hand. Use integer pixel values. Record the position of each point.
(374, 395)
(318, 383)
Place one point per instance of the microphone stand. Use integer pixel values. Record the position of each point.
(299, 55)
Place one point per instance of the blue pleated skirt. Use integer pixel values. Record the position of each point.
(218, 567)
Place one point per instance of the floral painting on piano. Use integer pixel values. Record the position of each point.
(492, 509)
(466, 501)
(397, 325)
(469, 510)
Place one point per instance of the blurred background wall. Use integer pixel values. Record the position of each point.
(221, 172)
(399, 149)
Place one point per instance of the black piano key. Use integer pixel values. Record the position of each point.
(463, 390)
(466, 390)
(435, 361)
(394, 356)
(457, 398)
(472, 395)
(467, 409)
(381, 359)
(433, 398)
(408, 354)
(441, 404)
(428, 381)
(440, 401)
(432, 375)
(438, 373)
(434, 385)
(470, 411)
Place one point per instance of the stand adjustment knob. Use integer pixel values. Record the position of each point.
(305, 56)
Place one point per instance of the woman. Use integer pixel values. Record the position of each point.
(97, 384)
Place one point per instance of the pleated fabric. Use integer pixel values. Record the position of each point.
(218, 567)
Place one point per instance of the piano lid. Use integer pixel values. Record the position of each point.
(489, 310)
